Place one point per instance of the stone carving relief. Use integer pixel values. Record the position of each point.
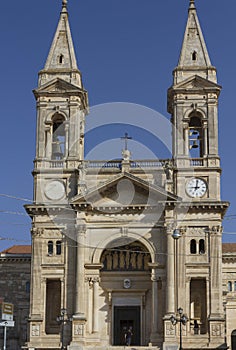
(78, 329)
(197, 231)
(35, 331)
(131, 257)
(170, 329)
(216, 330)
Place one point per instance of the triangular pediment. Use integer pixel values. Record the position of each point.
(196, 82)
(124, 190)
(58, 86)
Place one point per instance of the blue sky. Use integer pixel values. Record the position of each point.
(126, 51)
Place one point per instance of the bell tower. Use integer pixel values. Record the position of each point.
(193, 105)
(62, 104)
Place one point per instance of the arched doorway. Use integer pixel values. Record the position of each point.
(126, 277)
(233, 340)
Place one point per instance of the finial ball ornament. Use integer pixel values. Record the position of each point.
(64, 2)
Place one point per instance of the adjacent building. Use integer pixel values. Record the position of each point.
(15, 289)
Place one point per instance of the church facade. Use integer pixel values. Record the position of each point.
(105, 260)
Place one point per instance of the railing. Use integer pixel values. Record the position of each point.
(103, 164)
(149, 163)
(196, 162)
(117, 164)
(56, 164)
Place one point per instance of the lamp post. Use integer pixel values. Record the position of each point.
(62, 319)
(176, 235)
(182, 319)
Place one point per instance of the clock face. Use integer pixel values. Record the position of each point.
(55, 190)
(196, 188)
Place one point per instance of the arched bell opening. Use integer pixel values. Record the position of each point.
(58, 137)
(195, 137)
(196, 145)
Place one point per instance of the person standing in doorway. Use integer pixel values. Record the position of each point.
(128, 337)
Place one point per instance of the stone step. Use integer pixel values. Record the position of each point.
(97, 347)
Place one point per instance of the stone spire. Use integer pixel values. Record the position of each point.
(61, 61)
(194, 55)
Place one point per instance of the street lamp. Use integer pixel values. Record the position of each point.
(182, 319)
(62, 319)
(176, 235)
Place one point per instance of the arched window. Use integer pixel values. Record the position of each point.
(194, 56)
(50, 247)
(202, 246)
(229, 286)
(195, 137)
(61, 59)
(58, 247)
(235, 286)
(193, 246)
(58, 137)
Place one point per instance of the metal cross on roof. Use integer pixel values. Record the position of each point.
(126, 138)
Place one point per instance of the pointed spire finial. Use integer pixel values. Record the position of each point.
(192, 4)
(64, 3)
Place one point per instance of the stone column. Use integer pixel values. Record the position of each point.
(95, 304)
(205, 139)
(186, 138)
(66, 140)
(216, 271)
(170, 264)
(79, 289)
(216, 319)
(154, 302)
(48, 142)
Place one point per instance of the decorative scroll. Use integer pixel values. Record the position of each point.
(126, 258)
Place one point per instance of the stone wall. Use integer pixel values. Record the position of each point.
(15, 289)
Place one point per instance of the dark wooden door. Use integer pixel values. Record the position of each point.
(124, 318)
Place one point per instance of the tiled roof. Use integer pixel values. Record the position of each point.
(229, 248)
(18, 249)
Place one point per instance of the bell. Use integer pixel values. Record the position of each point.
(194, 145)
(56, 150)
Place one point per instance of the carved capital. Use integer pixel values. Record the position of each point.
(92, 279)
(216, 230)
(183, 230)
(36, 231)
(170, 226)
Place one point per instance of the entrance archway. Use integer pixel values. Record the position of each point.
(126, 278)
